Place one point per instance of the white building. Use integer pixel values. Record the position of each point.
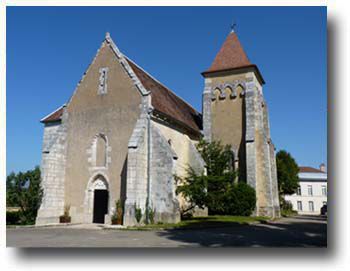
(312, 191)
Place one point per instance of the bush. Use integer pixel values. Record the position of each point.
(151, 214)
(138, 213)
(217, 190)
(239, 200)
(117, 217)
(287, 208)
(12, 218)
(24, 190)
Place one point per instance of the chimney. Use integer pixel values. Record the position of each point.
(323, 167)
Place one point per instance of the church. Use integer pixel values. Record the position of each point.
(123, 135)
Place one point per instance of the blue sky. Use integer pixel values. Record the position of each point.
(49, 48)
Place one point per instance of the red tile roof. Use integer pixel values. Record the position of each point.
(310, 170)
(166, 102)
(54, 116)
(230, 56)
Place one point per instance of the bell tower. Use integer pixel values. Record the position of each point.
(235, 112)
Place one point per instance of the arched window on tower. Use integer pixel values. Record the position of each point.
(240, 90)
(101, 151)
(216, 94)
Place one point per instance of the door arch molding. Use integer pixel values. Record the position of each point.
(98, 181)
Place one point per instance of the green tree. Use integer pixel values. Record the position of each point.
(287, 173)
(24, 191)
(217, 190)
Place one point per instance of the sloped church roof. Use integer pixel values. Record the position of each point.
(164, 101)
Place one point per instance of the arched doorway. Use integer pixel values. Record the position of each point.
(100, 200)
(100, 205)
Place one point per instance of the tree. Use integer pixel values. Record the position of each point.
(217, 190)
(24, 191)
(287, 173)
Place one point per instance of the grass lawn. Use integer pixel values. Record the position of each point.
(203, 222)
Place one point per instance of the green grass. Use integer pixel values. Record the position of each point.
(288, 213)
(203, 222)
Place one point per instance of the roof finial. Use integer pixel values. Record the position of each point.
(233, 26)
(108, 36)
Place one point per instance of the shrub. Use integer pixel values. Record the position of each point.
(24, 190)
(151, 214)
(287, 208)
(138, 213)
(65, 218)
(217, 190)
(245, 200)
(239, 199)
(12, 218)
(117, 217)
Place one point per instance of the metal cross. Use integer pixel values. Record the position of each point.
(233, 26)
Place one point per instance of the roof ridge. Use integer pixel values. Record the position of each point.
(160, 83)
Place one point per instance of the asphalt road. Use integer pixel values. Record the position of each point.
(300, 231)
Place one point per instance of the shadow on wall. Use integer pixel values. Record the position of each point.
(123, 176)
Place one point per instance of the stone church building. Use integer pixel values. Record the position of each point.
(123, 135)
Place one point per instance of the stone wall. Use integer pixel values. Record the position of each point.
(163, 165)
(53, 172)
(187, 156)
(137, 168)
(110, 114)
(245, 126)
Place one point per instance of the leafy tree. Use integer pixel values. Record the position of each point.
(218, 158)
(217, 190)
(287, 173)
(24, 191)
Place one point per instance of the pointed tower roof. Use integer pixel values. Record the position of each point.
(231, 57)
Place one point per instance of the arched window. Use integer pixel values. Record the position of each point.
(101, 151)
(216, 94)
(240, 90)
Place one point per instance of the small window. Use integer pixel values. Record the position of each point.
(324, 190)
(102, 86)
(309, 190)
(299, 191)
(311, 206)
(101, 151)
(300, 205)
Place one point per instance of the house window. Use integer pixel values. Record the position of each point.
(311, 206)
(300, 206)
(324, 190)
(309, 190)
(299, 191)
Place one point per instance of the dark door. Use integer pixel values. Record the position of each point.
(100, 206)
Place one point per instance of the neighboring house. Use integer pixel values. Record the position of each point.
(123, 135)
(312, 192)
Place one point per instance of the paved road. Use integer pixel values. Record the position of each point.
(300, 231)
